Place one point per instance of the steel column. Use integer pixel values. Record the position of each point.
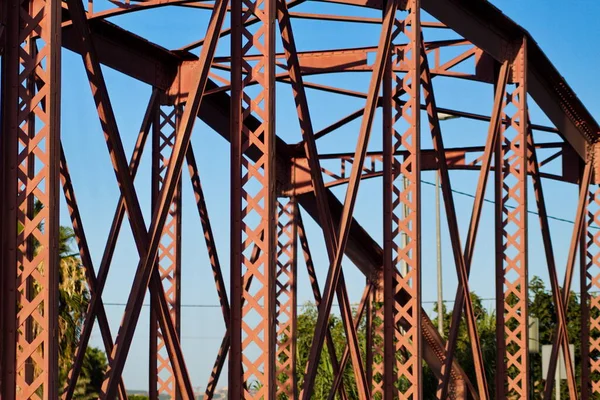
(590, 301)
(253, 205)
(402, 241)
(162, 379)
(286, 299)
(511, 238)
(31, 142)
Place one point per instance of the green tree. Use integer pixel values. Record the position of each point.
(73, 300)
(486, 328)
(307, 319)
(541, 306)
(74, 297)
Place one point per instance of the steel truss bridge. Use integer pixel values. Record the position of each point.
(274, 185)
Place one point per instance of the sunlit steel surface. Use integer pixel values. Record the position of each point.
(274, 183)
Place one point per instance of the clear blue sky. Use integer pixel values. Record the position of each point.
(568, 35)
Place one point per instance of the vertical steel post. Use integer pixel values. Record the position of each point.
(438, 242)
(511, 238)
(31, 146)
(378, 336)
(590, 302)
(369, 335)
(253, 202)
(286, 303)
(8, 205)
(164, 129)
(402, 177)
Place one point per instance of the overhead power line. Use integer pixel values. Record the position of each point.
(117, 304)
(568, 221)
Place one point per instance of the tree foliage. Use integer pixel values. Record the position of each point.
(74, 297)
(541, 306)
(307, 320)
(73, 300)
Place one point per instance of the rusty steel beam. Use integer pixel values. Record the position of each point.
(460, 260)
(317, 179)
(590, 302)
(31, 153)
(492, 31)
(403, 374)
(148, 241)
(253, 206)
(246, 119)
(457, 158)
(96, 298)
(286, 295)
(356, 60)
(512, 335)
(486, 28)
(164, 129)
(92, 281)
(333, 276)
(362, 250)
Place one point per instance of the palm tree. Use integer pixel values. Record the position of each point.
(73, 300)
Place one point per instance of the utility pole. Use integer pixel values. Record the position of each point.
(403, 238)
(438, 237)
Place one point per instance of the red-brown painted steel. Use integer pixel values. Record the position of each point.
(402, 375)
(252, 372)
(511, 238)
(338, 386)
(286, 294)
(270, 180)
(149, 241)
(560, 337)
(460, 261)
(164, 129)
(115, 147)
(216, 269)
(334, 273)
(317, 179)
(552, 273)
(96, 292)
(492, 139)
(92, 281)
(590, 301)
(31, 158)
